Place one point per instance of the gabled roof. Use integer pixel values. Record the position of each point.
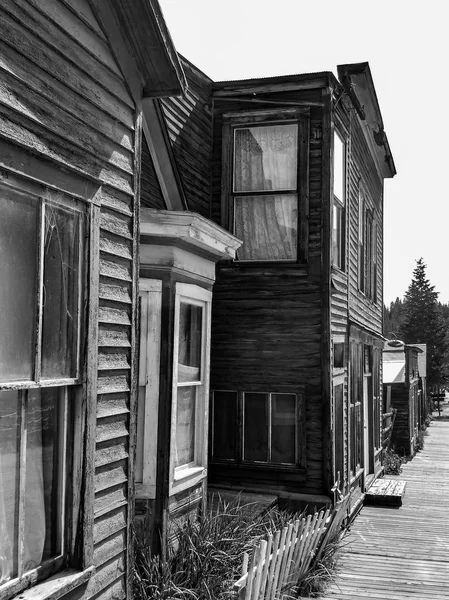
(139, 36)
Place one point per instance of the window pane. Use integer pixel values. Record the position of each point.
(18, 275)
(283, 428)
(44, 491)
(266, 158)
(9, 483)
(189, 353)
(185, 426)
(225, 425)
(62, 264)
(339, 171)
(255, 436)
(337, 236)
(268, 227)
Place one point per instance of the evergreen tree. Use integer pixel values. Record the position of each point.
(393, 318)
(424, 324)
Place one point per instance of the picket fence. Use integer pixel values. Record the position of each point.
(280, 561)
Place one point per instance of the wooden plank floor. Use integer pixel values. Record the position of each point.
(402, 553)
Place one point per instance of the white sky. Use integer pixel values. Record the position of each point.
(406, 45)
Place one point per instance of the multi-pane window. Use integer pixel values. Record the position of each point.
(42, 245)
(265, 191)
(254, 427)
(338, 209)
(190, 380)
(367, 254)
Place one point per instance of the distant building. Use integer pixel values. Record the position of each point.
(404, 383)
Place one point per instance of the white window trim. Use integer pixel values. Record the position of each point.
(150, 292)
(186, 476)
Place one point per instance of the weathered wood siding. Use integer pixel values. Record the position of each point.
(150, 189)
(363, 172)
(267, 322)
(67, 120)
(189, 123)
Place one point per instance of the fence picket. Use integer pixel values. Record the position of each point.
(266, 566)
(249, 581)
(273, 564)
(278, 562)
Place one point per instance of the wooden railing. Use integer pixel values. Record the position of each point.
(280, 561)
(387, 429)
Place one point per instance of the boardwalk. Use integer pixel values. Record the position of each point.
(403, 553)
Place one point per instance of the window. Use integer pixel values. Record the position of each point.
(339, 355)
(338, 211)
(190, 384)
(265, 185)
(42, 244)
(257, 428)
(367, 255)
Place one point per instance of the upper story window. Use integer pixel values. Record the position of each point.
(367, 254)
(339, 195)
(263, 201)
(42, 244)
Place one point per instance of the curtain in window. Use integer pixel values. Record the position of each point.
(40, 491)
(266, 160)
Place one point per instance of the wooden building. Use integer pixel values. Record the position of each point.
(78, 78)
(179, 246)
(404, 390)
(298, 169)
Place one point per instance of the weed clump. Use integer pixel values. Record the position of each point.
(392, 462)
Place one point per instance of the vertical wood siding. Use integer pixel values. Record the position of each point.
(65, 108)
(189, 123)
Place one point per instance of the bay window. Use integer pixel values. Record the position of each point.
(190, 384)
(339, 199)
(42, 245)
(265, 175)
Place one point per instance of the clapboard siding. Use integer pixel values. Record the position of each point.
(67, 118)
(189, 124)
(363, 172)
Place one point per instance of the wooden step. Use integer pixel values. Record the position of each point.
(386, 491)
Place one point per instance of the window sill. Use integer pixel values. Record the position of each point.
(58, 585)
(187, 478)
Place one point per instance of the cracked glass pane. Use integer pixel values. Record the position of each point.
(61, 291)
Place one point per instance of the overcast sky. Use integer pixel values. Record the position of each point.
(406, 45)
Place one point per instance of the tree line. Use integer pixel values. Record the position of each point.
(419, 318)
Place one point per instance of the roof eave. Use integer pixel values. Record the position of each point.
(358, 83)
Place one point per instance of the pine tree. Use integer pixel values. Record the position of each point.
(424, 324)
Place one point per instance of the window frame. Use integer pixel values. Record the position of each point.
(367, 247)
(300, 454)
(72, 391)
(238, 120)
(338, 216)
(188, 475)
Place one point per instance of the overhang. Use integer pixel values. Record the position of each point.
(188, 230)
(357, 82)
